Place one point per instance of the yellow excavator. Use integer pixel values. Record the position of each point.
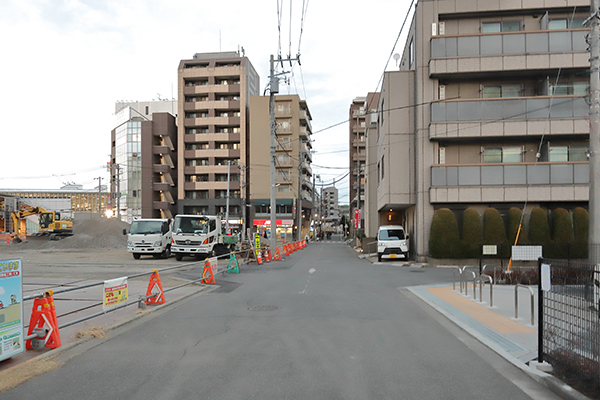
(50, 221)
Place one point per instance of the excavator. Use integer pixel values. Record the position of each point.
(50, 221)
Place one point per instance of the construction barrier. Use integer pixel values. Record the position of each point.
(207, 274)
(155, 290)
(233, 260)
(43, 320)
(304, 243)
(277, 255)
(268, 255)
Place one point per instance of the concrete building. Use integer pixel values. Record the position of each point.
(143, 160)
(358, 158)
(331, 211)
(371, 217)
(488, 109)
(213, 92)
(294, 173)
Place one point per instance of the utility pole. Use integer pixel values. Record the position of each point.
(299, 203)
(99, 195)
(274, 89)
(594, 151)
(243, 194)
(227, 198)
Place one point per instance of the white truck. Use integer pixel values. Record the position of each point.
(149, 236)
(392, 242)
(199, 236)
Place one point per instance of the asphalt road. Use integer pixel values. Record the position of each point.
(321, 325)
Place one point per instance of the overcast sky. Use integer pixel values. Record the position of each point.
(66, 62)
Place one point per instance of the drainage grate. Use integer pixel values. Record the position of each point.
(264, 308)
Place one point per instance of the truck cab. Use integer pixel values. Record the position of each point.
(198, 236)
(392, 242)
(150, 236)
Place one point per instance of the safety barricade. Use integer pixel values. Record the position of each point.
(233, 261)
(44, 324)
(277, 255)
(155, 293)
(208, 277)
(268, 255)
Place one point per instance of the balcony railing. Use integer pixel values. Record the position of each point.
(525, 108)
(511, 43)
(545, 173)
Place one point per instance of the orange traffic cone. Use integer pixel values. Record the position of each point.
(42, 316)
(277, 255)
(155, 289)
(259, 257)
(268, 255)
(207, 274)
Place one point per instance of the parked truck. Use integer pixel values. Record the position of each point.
(200, 236)
(150, 236)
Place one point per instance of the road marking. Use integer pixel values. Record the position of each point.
(492, 320)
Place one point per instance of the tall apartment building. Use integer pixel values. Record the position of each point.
(294, 173)
(213, 92)
(493, 112)
(331, 211)
(371, 217)
(357, 157)
(143, 162)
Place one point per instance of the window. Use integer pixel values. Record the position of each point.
(147, 108)
(497, 91)
(502, 155)
(564, 23)
(568, 153)
(411, 53)
(284, 175)
(503, 26)
(284, 188)
(568, 88)
(283, 158)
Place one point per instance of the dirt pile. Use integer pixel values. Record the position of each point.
(93, 233)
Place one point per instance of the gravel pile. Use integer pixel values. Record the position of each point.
(94, 233)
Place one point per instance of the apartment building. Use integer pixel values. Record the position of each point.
(371, 216)
(294, 178)
(331, 211)
(213, 92)
(357, 157)
(488, 109)
(143, 160)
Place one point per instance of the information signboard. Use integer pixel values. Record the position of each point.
(115, 292)
(11, 308)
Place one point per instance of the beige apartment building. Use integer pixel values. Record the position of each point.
(294, 178)
(357, 158)
(213, 92)
(488, 109)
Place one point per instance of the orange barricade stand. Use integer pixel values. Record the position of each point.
(207, 274)
(49, 295)
(155, 288)
(285, 250)
(277, 255)
(40, 316)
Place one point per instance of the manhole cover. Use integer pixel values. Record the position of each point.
(264, 308)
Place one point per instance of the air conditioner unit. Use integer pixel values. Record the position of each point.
(442, 28)
(434, 29)
(374, 115)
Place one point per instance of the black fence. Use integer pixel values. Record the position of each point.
(569, 320)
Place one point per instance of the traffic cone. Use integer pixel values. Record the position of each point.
(233, 260)
(207, 274)
(42, 316)
(155, 290)
(277, 255)
(259, 257)
(304, 243)
(285, 251)
(54, 339)
(268, 255)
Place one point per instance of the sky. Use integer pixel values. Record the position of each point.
(66, 62)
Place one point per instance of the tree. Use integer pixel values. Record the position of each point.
(471, 233)
(514, 219)
(444, 241)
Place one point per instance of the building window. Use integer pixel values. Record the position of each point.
(497, 91)
(196, 194)
(502, 155)
(564, 23)
(284, 189)
(411, 53)
(504, 26)
(567, 153)
(568, 88)
(283, 159)
(147, 110)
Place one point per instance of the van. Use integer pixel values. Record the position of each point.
(392, 242)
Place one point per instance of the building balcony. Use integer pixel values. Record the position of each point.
(510, 51)
(161, 168)
(161, 150)
(211, 137)
(207, 105)
(161, 186)
(160, 205)
(359, 143)
(205, 169)
(510, 182)
(230, 153)
(509, 117)
(359, 157)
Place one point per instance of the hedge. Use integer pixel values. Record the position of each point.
(444, 241)
(471, 233)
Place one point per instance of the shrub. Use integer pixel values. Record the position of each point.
(443, 237)
(581, 224)
(563, 234)
(494, 231)
(539, 231)
(514, 219)
(471, 233)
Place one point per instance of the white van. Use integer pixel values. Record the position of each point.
(392, 242)
(150, 236)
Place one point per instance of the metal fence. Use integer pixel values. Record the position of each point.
(569, 320)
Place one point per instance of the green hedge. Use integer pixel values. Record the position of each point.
(581, 225)
(443, 238)
(471, 233)
(539, 230)
(514, 219)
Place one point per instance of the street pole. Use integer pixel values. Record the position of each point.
(243, 194)
(227, 198)
(274, 88)
(594, 151)
(299, 202)
(99, 195)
